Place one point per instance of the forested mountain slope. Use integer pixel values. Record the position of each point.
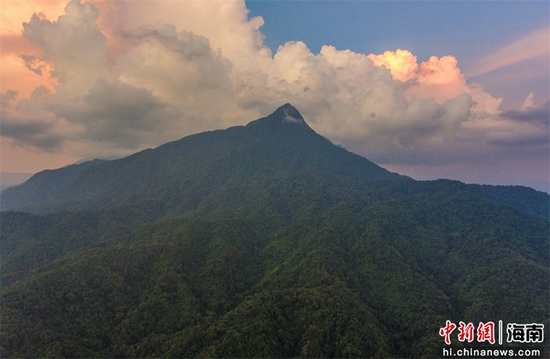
(266, 241)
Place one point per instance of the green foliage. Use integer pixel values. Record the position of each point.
(525, 199)
(345, 283)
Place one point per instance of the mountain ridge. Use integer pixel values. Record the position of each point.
(185, 165)
(272, 143)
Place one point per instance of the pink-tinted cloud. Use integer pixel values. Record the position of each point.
(401, 63)
(533, 45)
(438, 78)
(22, 68)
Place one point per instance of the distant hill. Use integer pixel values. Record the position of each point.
(264, 240)
(10, 179)
(41, 187)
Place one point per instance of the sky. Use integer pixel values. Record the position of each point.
(429, 89)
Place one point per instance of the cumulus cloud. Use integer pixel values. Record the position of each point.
(176, 66)
(164, 84)
(437, 78)
(117, 114)
(73, 45)
(155, 73)
(401, 63)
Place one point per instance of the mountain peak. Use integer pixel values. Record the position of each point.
(288, 113)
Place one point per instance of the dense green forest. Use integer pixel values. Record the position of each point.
(263, 241)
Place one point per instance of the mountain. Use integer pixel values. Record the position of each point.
(264, 240)
(10, 179)
(41, 187)
(264, 152)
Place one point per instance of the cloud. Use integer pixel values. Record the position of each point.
(174, 65)
(519, 137)
(34, 133)
(438, 78)
(34, 64)
(531, 114)
(26, 124)
(164, 84)
(158, 71)
(18, 56)
(531, 46)
(529, 101)
(513, 133)
(116, 114)
(401, 63)
(73, 44)
(224, 23)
